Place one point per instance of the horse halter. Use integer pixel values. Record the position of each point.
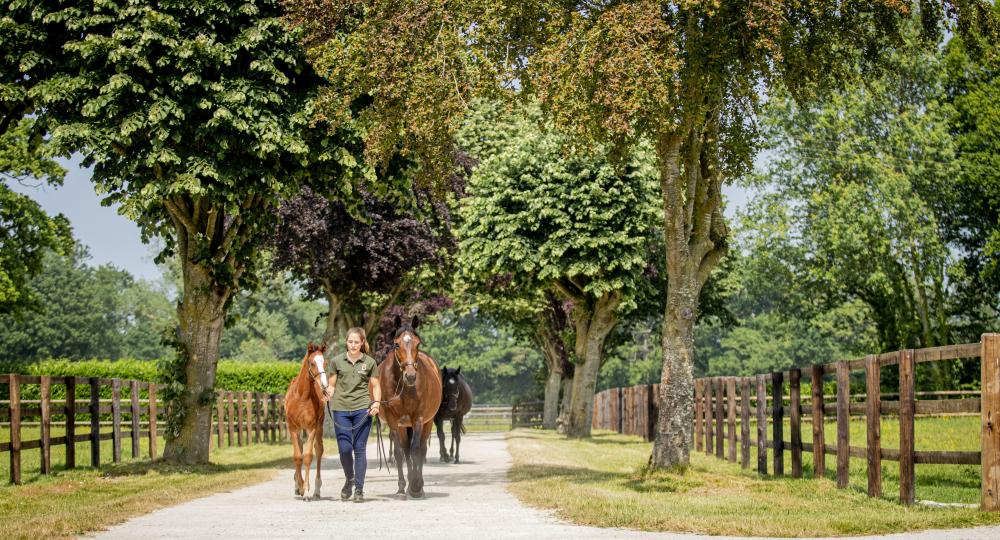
(309, 370)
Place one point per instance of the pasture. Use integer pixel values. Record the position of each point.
(604, 482)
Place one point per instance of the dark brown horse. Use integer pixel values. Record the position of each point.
(411, 390)
(304, 411)
(456, 401)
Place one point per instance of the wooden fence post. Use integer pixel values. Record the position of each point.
(699, 428)
(731, 400)
(15, 429)
(778, 420)
(819, 438)
(795, 403)
(46, 406)
(709, 432)
(70, 422)
(273, 416)
(152, 422)
(843, 423)
(761, 425)
(256, 417)
(239, 418)
(990, 415)
(95, 422)
(907, 408)
(220, 416)
(116, 420)
(745, 422)
(229, 418)
(874, 416)
(720, 418)
(247, 417)
(134, 391)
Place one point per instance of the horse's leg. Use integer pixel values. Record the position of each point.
(418, 453)
(456, 435)
(318, 450)
(297, 458)
(400, 436)
(307, 458)
(391, 459)
(439, 424)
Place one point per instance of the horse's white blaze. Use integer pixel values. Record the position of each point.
(407, 339)
(320, 364)
(451, 381)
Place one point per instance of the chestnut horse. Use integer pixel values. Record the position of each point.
(412, 381)
(304, 411)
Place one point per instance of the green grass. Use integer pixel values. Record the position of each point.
(603, 482)
(939, 483)
(69, 503)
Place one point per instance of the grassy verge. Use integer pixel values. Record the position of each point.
(603, 482)
(68, 503)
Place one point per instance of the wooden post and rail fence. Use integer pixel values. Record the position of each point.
(719, 401)
(240, 418)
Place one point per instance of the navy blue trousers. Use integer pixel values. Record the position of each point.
(352, 428)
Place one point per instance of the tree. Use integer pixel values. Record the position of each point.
(572, 223)
(972, 223)
(860, 178)
(26, 231)
(687, 76)
(362, 265)
(79, 314)
(271, 323)
(498, 366)
(196, 118)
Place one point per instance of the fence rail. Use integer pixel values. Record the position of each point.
(251, 416)
(716, 400)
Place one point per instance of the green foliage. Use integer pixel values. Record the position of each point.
(548, 212)
(270, 377)
(972, 221)
(271, 322)
(87, 312)
(860, 184)
(498, 367)
(26, 231)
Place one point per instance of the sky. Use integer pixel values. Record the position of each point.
(114, 239)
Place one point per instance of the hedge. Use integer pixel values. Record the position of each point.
(268, 377)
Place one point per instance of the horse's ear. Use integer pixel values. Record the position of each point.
(397, 322)
(416, 322)
(310, 347)
(457, 371)
(322, 347)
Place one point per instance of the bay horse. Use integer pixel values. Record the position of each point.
(304, 411)
(456, 401)
(412, 381)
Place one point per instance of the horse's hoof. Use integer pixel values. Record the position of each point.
(416, 495)
(445, 459)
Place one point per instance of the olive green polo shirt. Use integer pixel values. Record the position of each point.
(351, 392)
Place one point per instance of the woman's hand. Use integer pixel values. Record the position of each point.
(328, 393)
(373, 410)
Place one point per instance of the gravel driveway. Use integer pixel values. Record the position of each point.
(465, 501)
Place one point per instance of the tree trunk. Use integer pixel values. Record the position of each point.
(562, 419)
(551, 409)
(675, 425)
(201, 314)
(591, 330)
(331, 336)
(695, 233)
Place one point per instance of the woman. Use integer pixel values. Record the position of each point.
(354, 374)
